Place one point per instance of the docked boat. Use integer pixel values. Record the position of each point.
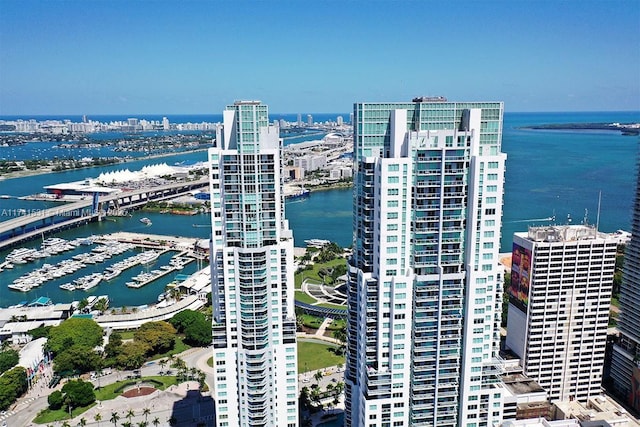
(68, 287)
(20, 287)
(317, 243)
(145, 221)
(109, 275)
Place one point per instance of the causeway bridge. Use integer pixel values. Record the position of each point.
(45, 221)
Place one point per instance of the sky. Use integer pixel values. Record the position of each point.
(194, 57)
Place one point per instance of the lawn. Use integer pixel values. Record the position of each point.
(302, 297)
(315, 355)
(47, 416)
(110, 391)
(313, 273)
(311, 321)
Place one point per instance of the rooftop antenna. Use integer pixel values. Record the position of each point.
(598, 215)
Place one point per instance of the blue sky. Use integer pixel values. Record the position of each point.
(145, 57)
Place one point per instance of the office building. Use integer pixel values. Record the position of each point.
(309, 120)
(559, 296)
(424, 284)
(254, 327)
(625, 367)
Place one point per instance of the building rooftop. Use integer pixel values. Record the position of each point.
(562, 233)
(521, 384)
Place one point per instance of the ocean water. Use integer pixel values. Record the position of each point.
(548, 172)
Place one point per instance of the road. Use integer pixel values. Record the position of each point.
(183, 401)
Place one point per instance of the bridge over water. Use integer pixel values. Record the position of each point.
(40, 222)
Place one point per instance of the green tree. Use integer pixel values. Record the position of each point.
(155, 422)
(79, 393)
(13, 384)
(101, 305)
(83, 422)
(97, 417)
(74, 331)
(83, 304)
(114, 418)
(158, 336)
(55, 400)
(40, 332)
(505, 298)
(77, 358)
(199, 332)
(184, 318)
(146, 412)
(113, 347)
(341, 335)
(132, 355)
(8, 359)
(130, 414)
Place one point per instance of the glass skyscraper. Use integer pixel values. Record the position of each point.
(625, 368)
(254, 328)
(424, 287)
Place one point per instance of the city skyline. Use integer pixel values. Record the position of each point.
(154, 57)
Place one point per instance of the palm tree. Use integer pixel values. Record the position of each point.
(98, 418)
(317, 376)
(130, 414)
(66, 424)
(126, 424)
(143, 424)
(162, 363)
(83, 422)
(146, 412)
(155, 422)
(114, 418)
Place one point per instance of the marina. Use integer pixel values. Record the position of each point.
(83, 266)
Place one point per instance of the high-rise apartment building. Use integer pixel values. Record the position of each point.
(254, 328)
(561, 281)
(625, 368)
(424, 284)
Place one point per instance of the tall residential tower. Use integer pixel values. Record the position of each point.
(254, 328)
(625, 368)
(424, 284)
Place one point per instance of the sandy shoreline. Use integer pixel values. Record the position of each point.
(45, 170)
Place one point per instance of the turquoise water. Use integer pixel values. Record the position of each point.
(547, 172)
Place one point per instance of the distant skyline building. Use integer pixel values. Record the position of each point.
(561, 282)
(299, 120)
(625, 367)
(165, 124)
(424, 287)
(254, 324)
(309, 120)
(339, 120)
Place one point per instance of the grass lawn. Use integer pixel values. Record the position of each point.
(314, 355)
(313, 273)
(337, 323)
(329, 305)
(210, 362)
(48, 416)
(302, 297)
(104, 393)
(109, 392)
(311, 321)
